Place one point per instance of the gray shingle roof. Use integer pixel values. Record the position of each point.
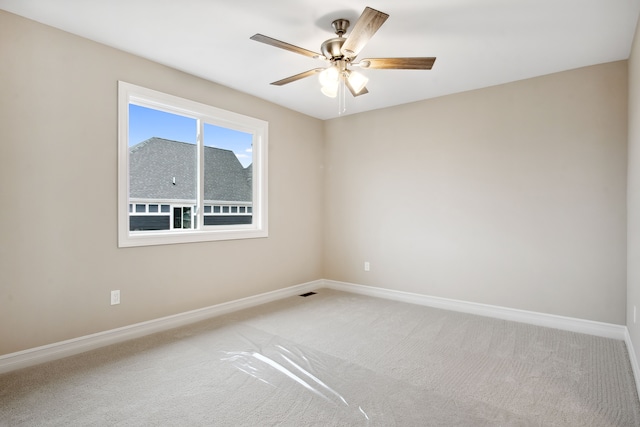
(155, 162)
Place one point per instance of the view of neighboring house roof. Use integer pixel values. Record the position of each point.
(164, 169)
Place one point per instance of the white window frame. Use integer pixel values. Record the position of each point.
(132, 94)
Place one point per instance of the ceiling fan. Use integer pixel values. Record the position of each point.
(341, 52)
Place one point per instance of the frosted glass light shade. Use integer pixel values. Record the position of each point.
(329, 76)
(357, 81)
(330, 90)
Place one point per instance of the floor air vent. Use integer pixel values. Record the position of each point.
(308, 294)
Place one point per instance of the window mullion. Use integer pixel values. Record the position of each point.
(199, 213)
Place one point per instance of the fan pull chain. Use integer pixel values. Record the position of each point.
(342, 101)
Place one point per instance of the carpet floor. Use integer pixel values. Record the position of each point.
(334, 359)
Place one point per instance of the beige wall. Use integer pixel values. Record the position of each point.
(512, 195)
(58, 162)
(633, 198)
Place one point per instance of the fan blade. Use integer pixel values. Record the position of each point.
(369, 22)
(353, 92)
(297, 77)
(283, 45)
(398, 63)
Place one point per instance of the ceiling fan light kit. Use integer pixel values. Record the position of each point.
(338, 74)
(341, 52)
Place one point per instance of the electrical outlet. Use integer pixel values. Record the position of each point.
(367, 266)
(115, 297)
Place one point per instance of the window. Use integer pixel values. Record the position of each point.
(188, 172)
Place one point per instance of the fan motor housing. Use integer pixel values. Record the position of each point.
(331, 48)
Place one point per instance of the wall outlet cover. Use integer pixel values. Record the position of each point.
(115, 297)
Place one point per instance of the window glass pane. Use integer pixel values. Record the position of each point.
(130, 207)
(228, 165)
(207, 209)
(177, 217)
(141, 208)
(165, 208)
(216, 209)
(242, 209)
(234, 209)
(153, 208)
(162, 159)
(186, 217)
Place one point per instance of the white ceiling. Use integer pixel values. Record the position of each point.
(478, 43)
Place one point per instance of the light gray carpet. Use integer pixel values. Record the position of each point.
(335, 359)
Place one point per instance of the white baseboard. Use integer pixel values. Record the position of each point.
(590, 327)
(46, 353)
